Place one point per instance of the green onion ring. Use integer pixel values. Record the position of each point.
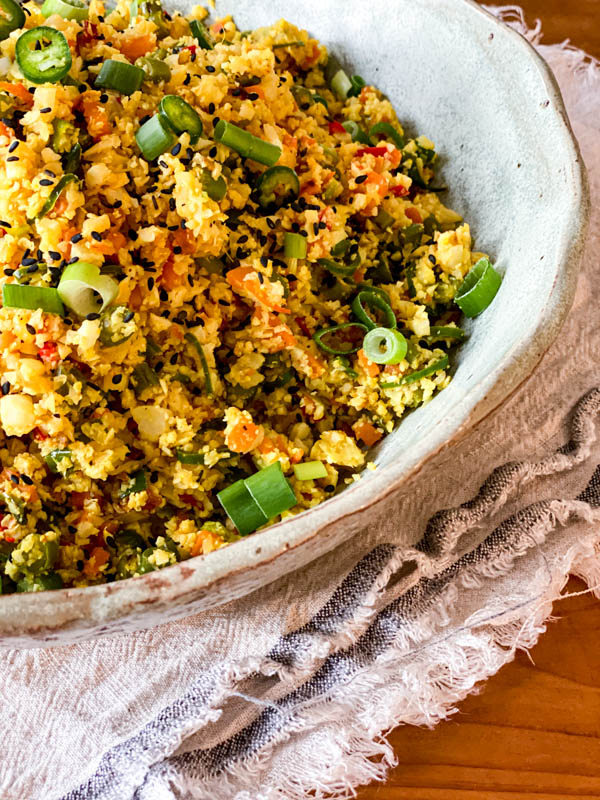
(478, 289)
(310, 471)
(294, 245)
(387, 130)
(416, 376)
(67, 9)
(373, 299)
(16, 296)
(78, 285)
(392, 341)
(120, 76)
(318, 337)
(271, 490)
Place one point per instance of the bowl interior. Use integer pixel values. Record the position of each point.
(490, 105)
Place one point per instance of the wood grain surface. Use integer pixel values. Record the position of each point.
(534, 731)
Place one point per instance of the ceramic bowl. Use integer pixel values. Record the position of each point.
(492, 107)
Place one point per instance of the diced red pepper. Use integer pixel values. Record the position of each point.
(372, 151)
(89, 33)
(336, 127)
(39, 435)
(399, 191)
(48, 352)
(189, 499)
(303, 326)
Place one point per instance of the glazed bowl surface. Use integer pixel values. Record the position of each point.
(494, 111)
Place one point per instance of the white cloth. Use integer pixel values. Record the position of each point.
(286, 693)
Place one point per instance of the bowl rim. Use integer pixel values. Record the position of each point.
(176, 587)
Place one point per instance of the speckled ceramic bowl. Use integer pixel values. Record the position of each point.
(491, 105)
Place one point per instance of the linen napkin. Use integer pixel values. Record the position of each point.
(287, 693)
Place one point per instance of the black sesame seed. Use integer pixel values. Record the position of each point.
(295, 227)
(360, 179)
(271, 223)
(172, 227)
(8, 271)
(322, 225)
(164, 295)
(158, 366)
(262, 239)
(176, 149)
(79, 563)
(330, 488)
(155, 203)
(190, 280)
(177, 249)
(33, 268)
(27, 480)
(174, 358)
(236, 92)
(45, 110)
(154, 477)
(243, 239)
(128, 316)
(97, 236)
(93, 316)
(132, 235)
(5, 387)
(150, 284)
(72, 529)
(4, 224)
(117, 378)
(261, 278)
(432, 259)
(13, 158)
(145, 118)
(211, 108)
(212, 152)
(27, 262)
(252, 96)
(216, 121)
(210, 68)
(73, 260)
(77, 238)
(303, 233)
(224, 302)
(316, 228)
(13, 146)
(30, 329)
(104, 98)
(187, 79)
(54, 255)
(172, 204)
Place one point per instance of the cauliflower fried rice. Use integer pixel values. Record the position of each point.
(186, 336)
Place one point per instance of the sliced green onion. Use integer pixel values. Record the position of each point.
(416, 376)
(120, 76)
(116, 327)
(385, 346)
(478, 289)
(337, 78)
(12, 17)
(215, 189)
(152, 349)
(323, 332)
(154, 69)
(302, 96)
(154, 138)
(241, 508)
(185, 457)
(310, 471)
(64, 181)
(180, 116)
(142, 377)
(247, 145)
(277, 186)
(318, 98)
(294, 245)
(71, 161)
(374, 300)
(202, 35)
(47, 582)
(367, 287)
(437, 332)
(287, 44)
(54, 458)
(200, 350)
(271, 490)
(16, 296)
(357, 133)
(383, 219)
(358, 84)
(14, 506)
(340, 248)
(79, 285)
(387, 130)
(138, 484)
(67, 9)
(181, 377)
(43, 54)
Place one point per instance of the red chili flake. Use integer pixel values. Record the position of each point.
(303, 326)
(372, 151)
(399, 191)
(336, 127)
(190, 500)
(191, 47)
(89, 33)
(39, 435)
(48, 352)
(9, 539)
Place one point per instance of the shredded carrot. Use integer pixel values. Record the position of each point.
(98, 558)
(18, 90)
(380, 181)
(367, 432)
(244, 437)
(413, 214)
(95, 114)
(134, 48)
(369, 367)
(245, 279)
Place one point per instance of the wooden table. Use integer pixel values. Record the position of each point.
(534, 731)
